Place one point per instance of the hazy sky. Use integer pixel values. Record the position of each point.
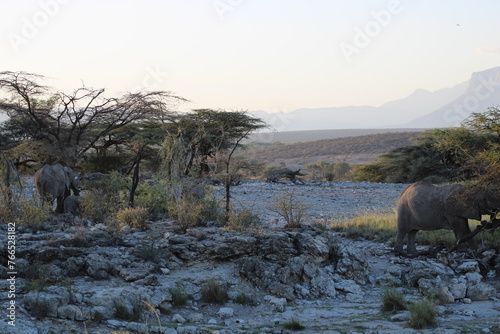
(276, 55)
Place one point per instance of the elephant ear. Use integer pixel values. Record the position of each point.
(67, 176)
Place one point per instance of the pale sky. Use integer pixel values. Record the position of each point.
(275, 55)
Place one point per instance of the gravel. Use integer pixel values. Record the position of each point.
(331, 201)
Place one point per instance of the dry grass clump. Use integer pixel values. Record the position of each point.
(393, 301)
(134, 217)
(422, 314)
(242, 220)
(372, 226)
(179, 296)
(293, 324)
(291, 208)
(215, 293)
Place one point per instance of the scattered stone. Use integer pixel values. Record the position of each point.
(225, 312)
(403, 316)
(278, 304)
(177, 318)
(468, 267)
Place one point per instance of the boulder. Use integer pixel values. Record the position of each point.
(435, 288)
(277, 304)
(480, 291)
(225, 312)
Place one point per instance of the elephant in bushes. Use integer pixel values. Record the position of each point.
(423, 206)
(55, 182)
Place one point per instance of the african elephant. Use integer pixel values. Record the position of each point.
(56, 182)
(423, 206)
(72, 205)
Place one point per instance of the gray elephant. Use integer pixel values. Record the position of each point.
(423, 206)
(55, 182)
(72, 205)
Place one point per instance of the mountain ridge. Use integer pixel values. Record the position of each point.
(445, 107)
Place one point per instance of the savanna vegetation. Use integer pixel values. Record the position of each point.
(443, 155)
(154, 156)
(138, 140)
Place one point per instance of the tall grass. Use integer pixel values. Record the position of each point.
(422, 314)
(383, 227)
(371, 226)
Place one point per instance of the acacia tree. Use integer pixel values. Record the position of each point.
(72, 124)
(207, 134)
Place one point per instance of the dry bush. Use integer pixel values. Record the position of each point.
(242, 220)
(290, 208)
(134, 217)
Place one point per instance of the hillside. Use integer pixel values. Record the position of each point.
(290, 137)
(354, 150)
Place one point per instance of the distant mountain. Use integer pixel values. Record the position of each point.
(421, 109)
(482, 92)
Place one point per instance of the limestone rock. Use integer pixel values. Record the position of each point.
(480, 291)
(278, 304)
(225, 312)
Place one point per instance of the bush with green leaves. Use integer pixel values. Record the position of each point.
(450, 154)
(103, 198)
(329, 171)
(152, 194)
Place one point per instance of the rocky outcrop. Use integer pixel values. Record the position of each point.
(118, 279)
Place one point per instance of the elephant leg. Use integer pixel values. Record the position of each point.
(461, 229)
(399, 242)
(60, 205)
(411, 248)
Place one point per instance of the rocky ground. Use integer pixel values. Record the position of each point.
(85, 279)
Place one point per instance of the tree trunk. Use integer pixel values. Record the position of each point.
(135, 183)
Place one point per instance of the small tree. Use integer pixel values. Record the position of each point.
(204, 135)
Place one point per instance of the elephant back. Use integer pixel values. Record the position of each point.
(52, 180)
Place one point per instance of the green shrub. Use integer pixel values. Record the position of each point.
(134, 217)
(97, 206)
(152, 195)
(422, 314)
(30, 214)
(213, 292)
(103, 198)
(293, 325)
(245, 299)
(393, 300)
(179, 296)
